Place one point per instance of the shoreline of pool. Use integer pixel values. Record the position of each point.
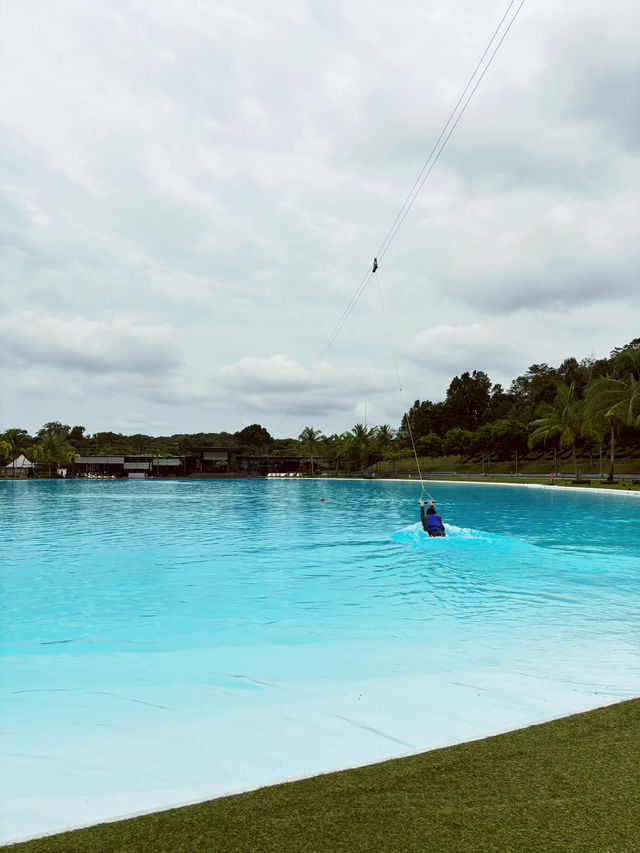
(300, 778)
(456, 482)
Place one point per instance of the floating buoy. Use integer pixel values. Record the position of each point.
(321, 499)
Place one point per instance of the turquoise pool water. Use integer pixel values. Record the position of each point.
(168, 641)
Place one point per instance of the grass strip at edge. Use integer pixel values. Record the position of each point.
(568, 785)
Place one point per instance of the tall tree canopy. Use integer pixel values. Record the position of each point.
(468, 398)
(253, 436)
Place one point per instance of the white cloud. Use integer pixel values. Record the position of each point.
(113, 346)
(504, 347)
(280, 387)
(189, 189)
(141, 423)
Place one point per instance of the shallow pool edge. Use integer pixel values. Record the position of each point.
(292, 779)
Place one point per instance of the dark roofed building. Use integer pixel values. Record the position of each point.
(202, 462)
(268, 464)
(128, 466)
(232, 461)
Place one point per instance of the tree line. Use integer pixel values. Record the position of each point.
(570, 408)
(573, 406)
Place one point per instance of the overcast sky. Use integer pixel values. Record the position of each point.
(192, 191)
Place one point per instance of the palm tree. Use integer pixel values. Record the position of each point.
(614, 402)
(56, 448)
(35, 454)
(18, 440)
(628, 361)
(345, 449)
(384, 436)
(5, 452)
(361, 441)
(334, 449)
(562, 418)
(310, 438)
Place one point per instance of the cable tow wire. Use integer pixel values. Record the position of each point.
(496, 40)
(438, 148)
(400, 388)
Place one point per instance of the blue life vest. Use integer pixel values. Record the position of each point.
(434, 524)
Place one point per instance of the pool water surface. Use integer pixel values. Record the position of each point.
(170, 641)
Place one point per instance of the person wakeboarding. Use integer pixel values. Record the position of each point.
(431, 521)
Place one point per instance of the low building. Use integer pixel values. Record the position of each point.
(202, 461)
(132, 467)
(103, 465)
(19, 467)
(212, 461)
(268, 464)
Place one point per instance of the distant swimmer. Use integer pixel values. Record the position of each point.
(431, 521)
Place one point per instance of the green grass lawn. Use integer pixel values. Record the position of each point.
(534, 468)
(569, 785)
(619, 484)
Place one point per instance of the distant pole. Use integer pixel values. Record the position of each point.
(554, 462)
(600, 461)
(483, 464)
(516, 463)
